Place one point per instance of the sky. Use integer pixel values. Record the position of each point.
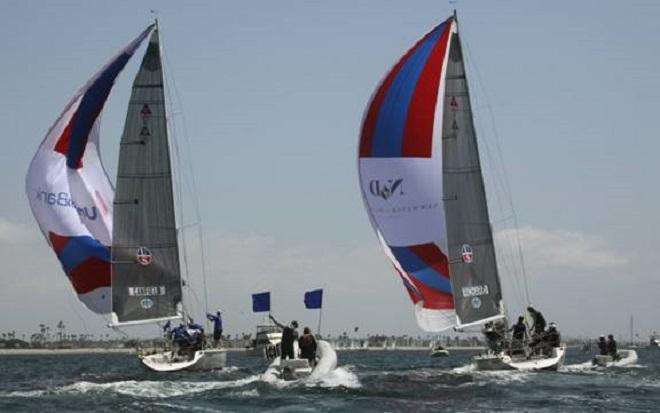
(271, 95)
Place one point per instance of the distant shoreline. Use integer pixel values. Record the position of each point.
(46, 351)
(66, 351)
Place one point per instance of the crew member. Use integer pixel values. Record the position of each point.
(551, 339)
(289, 335)
(519, 333)
(217, 326)
(493, 336)
(539, 322)
(602, 346)
(611, 347)
(307, 344)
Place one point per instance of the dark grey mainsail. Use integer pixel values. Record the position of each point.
(472, 263)
(146, 278)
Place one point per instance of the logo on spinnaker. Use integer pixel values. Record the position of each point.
(146, 303)
(467, 254)
(143, 256)
(476, 302)
(386, 189)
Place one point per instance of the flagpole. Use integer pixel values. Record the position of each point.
(318, 333)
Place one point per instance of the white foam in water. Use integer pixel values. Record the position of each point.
(180, 407)
(495, 376)
(245, 394)
(146, 389)
(468, 368)
(587, 366)
(339, 377)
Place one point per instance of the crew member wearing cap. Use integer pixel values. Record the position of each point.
(289, 335)
(217, 327)
(552, 337)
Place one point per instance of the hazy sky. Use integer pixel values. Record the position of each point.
(273, 94)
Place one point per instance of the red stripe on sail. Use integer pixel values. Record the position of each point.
(433, 256)
(91, 274)
(58, 242)
(414, 295)
(418, 133)
(369, 124)
(62, 145)
(435, 299)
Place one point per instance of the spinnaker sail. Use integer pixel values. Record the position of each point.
(422, 186)
(146, 277)
(68, 189)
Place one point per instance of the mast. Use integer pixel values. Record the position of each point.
(472, 260)
(146, 275)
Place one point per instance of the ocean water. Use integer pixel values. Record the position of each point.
(365, 381)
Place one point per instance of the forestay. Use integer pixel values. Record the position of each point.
(146, 278)
(69, 191)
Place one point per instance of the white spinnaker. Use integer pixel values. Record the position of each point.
(70, 202)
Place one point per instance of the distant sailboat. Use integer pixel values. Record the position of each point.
(120, 250)
(422, 186)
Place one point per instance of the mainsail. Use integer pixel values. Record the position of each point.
(472, 264)
(422, 185)
(146, 278)
(69, 191)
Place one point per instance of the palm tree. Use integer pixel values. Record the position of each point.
(60, 327)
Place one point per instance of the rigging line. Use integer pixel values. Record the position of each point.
(505, 175)
(195, 201)
(506, 179)
(179, 180)
(75, 311)
(505, 259)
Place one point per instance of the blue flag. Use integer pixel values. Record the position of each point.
(314, 298)
(261, 302)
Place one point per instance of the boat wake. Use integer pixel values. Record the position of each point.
(143, 389)
(492, 377)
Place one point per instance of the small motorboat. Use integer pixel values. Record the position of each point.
(439, 351)
(623, 358)
(296, 369)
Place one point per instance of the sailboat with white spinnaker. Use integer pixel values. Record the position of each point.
(118, 247)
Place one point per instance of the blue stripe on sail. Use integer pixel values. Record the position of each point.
(419, 269)
(388, 136)
(409, 261)
(90, 106)
(432, 278)
(78, 249)
(93, 100)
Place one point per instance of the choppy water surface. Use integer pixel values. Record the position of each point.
(369, 381)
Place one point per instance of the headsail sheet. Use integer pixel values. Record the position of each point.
(400, 164)
(146, 278)
(472, 264)
(69, 191)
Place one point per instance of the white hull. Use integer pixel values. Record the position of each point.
(210, 359)
(297, 369)
(627, 357)
(439, 353)
(504, 362)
